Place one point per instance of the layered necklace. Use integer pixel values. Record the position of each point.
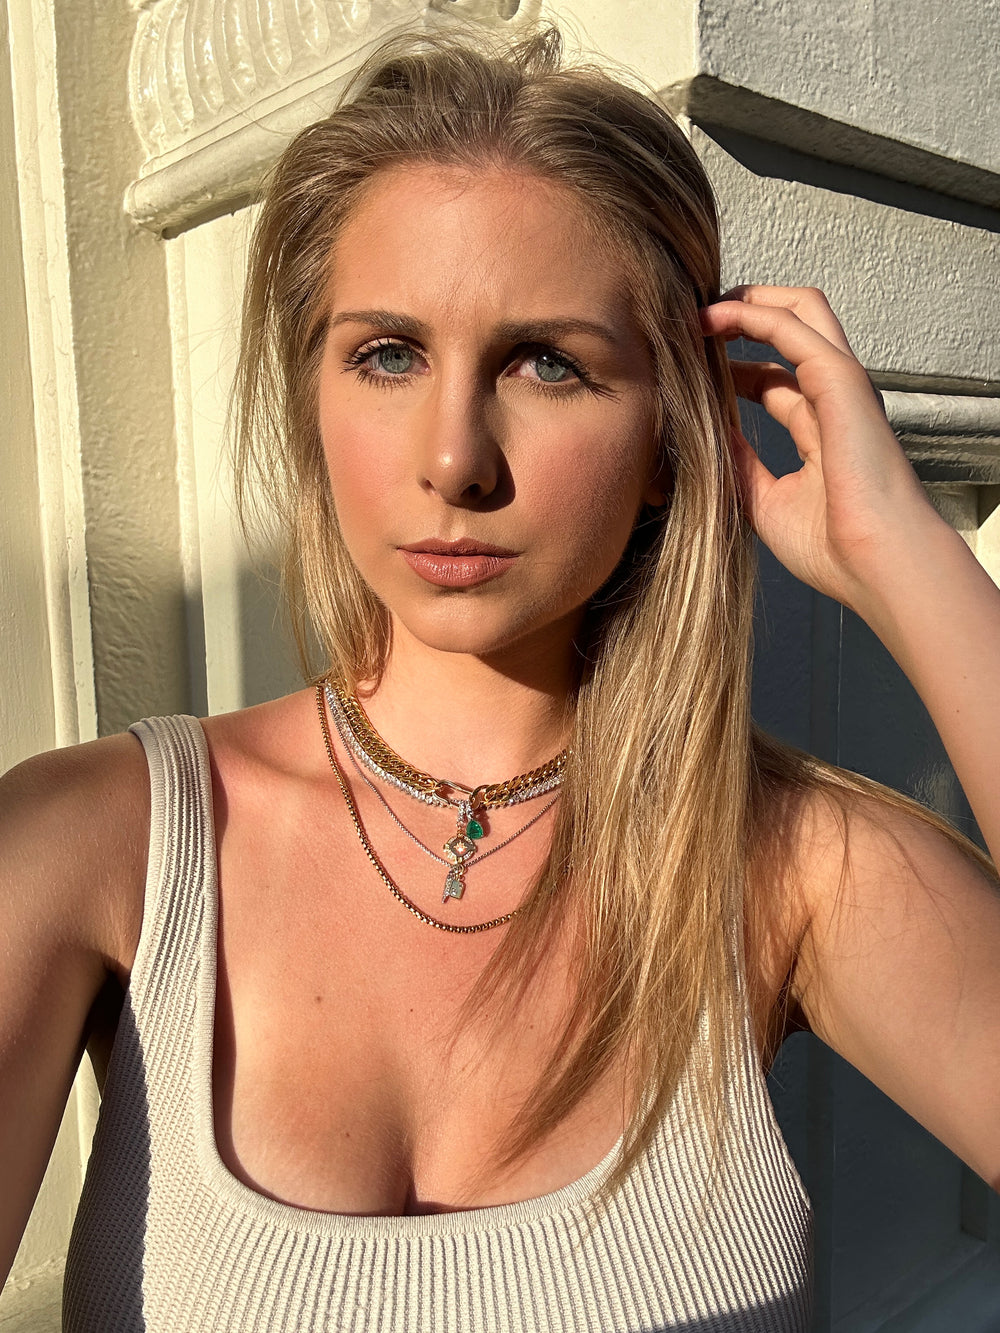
(368, 751)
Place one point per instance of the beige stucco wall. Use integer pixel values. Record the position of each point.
(93, 623)
(124, 587)
(34, 646)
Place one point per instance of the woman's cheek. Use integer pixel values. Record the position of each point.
(358, 469)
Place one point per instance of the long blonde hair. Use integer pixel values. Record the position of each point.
(670, 790)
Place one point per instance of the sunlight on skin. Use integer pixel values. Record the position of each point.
(437, 423)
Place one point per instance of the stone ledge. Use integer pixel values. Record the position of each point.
(948, 437)
(711, 103)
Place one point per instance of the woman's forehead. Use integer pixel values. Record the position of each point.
(494, 238)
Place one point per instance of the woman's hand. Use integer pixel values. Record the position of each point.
(837, 523)
(854, 523)
(904, 982)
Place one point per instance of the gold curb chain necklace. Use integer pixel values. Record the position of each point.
(442, 860)
(367, 748)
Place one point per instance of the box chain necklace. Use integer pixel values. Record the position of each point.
(365, 744)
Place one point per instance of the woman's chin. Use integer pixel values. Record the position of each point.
(476, 631)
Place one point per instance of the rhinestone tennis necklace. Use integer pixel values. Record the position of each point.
(458, 849)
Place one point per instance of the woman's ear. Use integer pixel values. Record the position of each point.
(660, 486)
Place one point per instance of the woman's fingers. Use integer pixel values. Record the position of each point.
(756, 379)
(778, 392)
(775, 325)
(808, 303)
(832, 380)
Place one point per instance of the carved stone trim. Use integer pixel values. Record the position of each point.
(217, 87)
(948, 437)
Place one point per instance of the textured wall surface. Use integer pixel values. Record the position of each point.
(26, 713)
(915, 290)
(910, 72)
(32, 649)
(853, 147)
(122, 354)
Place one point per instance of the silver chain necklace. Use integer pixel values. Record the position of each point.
(476, 856)
(461, 848)
(428, 797)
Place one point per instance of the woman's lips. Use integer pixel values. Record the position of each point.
(461, 570)
(457, 564)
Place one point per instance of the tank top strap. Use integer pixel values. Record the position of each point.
(181, 870)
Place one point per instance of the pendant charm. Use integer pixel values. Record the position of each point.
(467, 822)
(454, 885)
(459, 848)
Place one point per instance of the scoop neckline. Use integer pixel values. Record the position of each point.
(249, 1201)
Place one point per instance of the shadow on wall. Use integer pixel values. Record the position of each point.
(768, 159)
(268, 661)
(240, 646)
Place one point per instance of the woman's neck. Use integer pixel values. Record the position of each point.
(472, 719)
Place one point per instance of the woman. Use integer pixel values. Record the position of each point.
(366, 1073)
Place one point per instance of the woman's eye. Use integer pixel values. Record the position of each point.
(551, 369)
(392, 358)
(547, 366)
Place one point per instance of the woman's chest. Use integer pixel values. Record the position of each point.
(345, 1078)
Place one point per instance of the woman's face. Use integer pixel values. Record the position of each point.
(486, 404)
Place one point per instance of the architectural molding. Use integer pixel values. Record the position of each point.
(41, 167)
(217, 87)
(948, 437)
(715, 104)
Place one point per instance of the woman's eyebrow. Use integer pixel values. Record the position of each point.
(405, 325)
(514, 331)
(545, 330)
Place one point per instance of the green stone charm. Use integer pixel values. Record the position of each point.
(473, 829)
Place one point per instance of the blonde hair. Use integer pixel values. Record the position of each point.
(670, 790)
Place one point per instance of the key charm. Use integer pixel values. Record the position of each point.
(454, 885)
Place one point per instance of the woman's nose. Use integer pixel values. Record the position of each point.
(460, 460)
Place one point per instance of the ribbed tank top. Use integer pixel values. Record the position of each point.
(168, 1240)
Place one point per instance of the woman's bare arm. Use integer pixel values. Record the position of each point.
(898, 969)
(900, 965)
(73, 837)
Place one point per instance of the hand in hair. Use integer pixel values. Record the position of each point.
(854, 522)
(836, 522)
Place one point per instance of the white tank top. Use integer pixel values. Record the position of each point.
(167, 1240)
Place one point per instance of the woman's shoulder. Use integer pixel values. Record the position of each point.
(254, 751)
(75, 823)
(851, 832)
(844, 867)
(74, 829)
